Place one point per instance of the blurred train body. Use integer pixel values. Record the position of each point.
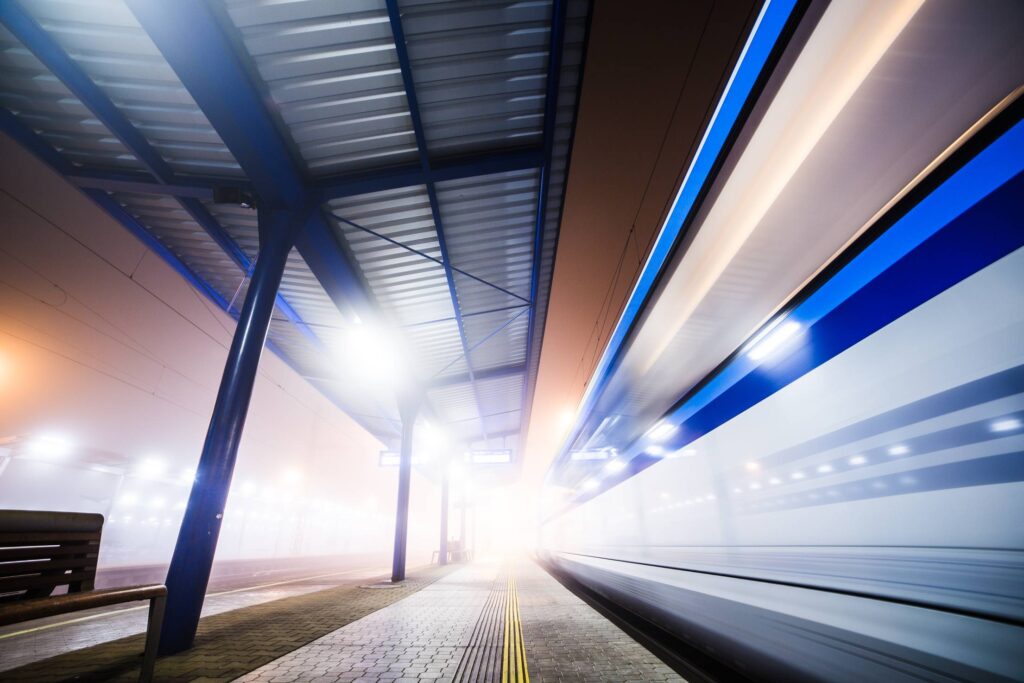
(806, 456)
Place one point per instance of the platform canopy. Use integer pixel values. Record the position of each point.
(432, 138)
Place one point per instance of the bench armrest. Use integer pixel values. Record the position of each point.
(37, 608)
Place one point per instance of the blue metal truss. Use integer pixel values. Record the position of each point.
(52, 55)
(323, 189)
(219, 80)
(395, 17)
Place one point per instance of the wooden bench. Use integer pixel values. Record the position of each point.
(41, 551)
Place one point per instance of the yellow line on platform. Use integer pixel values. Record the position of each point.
(513, 661)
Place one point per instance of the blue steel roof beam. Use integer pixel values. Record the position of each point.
(26, 29)
(395, 17)
(471, 314)
(333, 187)
(220, 83)
(349, 185)
(137, 183)
(27, 138)
(439, 261)
(500, 372)
(557, 38)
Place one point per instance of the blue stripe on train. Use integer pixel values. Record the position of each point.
(969, 222)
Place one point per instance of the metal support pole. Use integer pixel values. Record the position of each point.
(189, 572)
(408, 408)
(463, 541)
(442, 556)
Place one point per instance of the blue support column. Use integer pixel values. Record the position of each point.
(189, 572)
(442, 555)
(408, 408)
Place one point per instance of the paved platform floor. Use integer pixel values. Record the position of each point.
(499, 621)
(22, 644)
(232, 643)
(445, 633)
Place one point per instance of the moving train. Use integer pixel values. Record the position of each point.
(802, 453)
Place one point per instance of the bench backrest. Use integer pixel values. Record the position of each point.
(40, 551)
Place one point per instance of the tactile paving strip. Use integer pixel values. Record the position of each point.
(482, 660)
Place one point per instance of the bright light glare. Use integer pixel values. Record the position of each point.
(151, 468)
(50, 446)
(292, 476)
(188, 475)
(656, 451)
(824, 469)
(1006, 425)
(898, 450)
(127, 500)
(753, 466)
(590, 485)
(662, 431)
(432, 439)
(683, 453)
(456, 470)
(857, 460)
(615, 466)
(566, 419)
(797, 475)
(774, 340)
(371, 356)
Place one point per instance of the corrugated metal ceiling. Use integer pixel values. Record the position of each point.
(331, 76)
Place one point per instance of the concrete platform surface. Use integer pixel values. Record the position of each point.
(459, 628)
(506, 621)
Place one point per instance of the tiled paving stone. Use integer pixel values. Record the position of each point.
(567, 640)
(421, 638)
(234, 643)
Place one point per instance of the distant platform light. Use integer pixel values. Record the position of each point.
(151, 468)
(775, 339)
(394, 459)
(51, 446)
(491, 457)
(1007, 424)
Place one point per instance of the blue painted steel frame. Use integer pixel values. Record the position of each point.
(28, 139)
(323, 189)
(189, 572)
(764, 37)
(26, 29)
(220, 84)
(395, 17)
